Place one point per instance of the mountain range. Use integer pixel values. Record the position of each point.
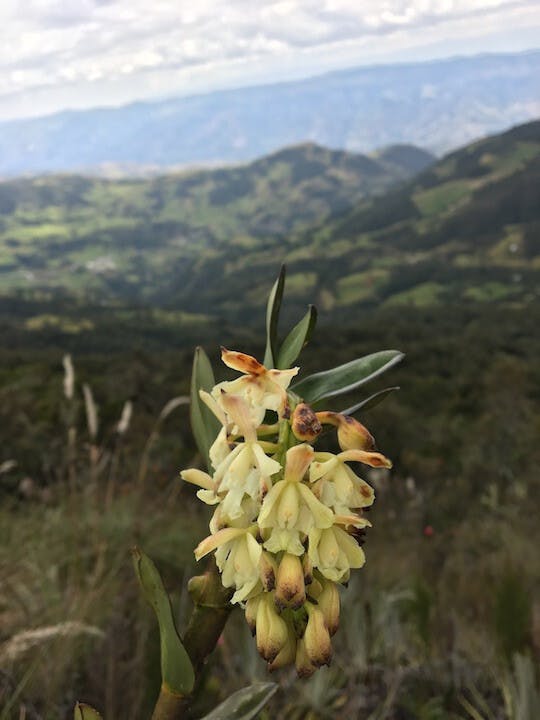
(438, 105)
(199, 248)
(97, 235)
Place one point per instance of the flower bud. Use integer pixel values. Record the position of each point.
(328, 603)
(304, 666)
(268, 571)
(290, 588)
(287, 654)
(297, 462)
(317, 638)
(307, 567)
(271, 629)
(305, 424)
(351, 434)
(315, 589)
(252, 607)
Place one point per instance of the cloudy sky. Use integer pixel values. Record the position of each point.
(57, 54)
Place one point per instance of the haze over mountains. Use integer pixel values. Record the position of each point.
(437, 105)
(90, 234)
(186, 251)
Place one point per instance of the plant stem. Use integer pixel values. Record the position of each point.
(170, 706)
(208, 618)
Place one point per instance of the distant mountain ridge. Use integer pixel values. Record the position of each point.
(438, 105)
(196, 248)
(97, 234)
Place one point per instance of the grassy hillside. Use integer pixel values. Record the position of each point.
(184, 250)
(466, 229)
(101, 239)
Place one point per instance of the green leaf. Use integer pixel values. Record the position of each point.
(296, 339)
(176, 668)
(371, 401)
(346, 377)
(204, 424)
(272, 317)
(85, 712)
(244, 704)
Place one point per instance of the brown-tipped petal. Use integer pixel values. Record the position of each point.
(287, 653)
(304, 666)
(305, 424)
(290, 588)
(329, 604)
(242, 362)
(272, 631)
(315, 589)
(268, 570)
(374, 459)
(317, 638)
(352, 435)
(307, 567)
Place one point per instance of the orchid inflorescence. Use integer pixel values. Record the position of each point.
(288, 522)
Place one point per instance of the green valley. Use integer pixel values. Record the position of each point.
(465, 229)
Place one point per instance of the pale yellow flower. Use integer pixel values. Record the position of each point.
(247, 469)
(237, 556)
(262, 389)
(291, 510)
(337, 486)
(249, 512)
(334, 552)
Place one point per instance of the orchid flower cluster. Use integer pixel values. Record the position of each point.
(288, 523)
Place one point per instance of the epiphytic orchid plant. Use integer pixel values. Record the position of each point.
(287, 525)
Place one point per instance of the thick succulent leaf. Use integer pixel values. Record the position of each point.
(244, 704)
(272, 318)
(371, 401)
(204, 424)
(176, 669)
(345, 378)
(85, 712)
(296, 339)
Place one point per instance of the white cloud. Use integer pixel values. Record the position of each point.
(74, 47)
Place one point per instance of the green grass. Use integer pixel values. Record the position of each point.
(301, 283)
(442, 198)
(422, 295)
(67, 325)
(521, 153)
(489, 292)
(360, 286)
